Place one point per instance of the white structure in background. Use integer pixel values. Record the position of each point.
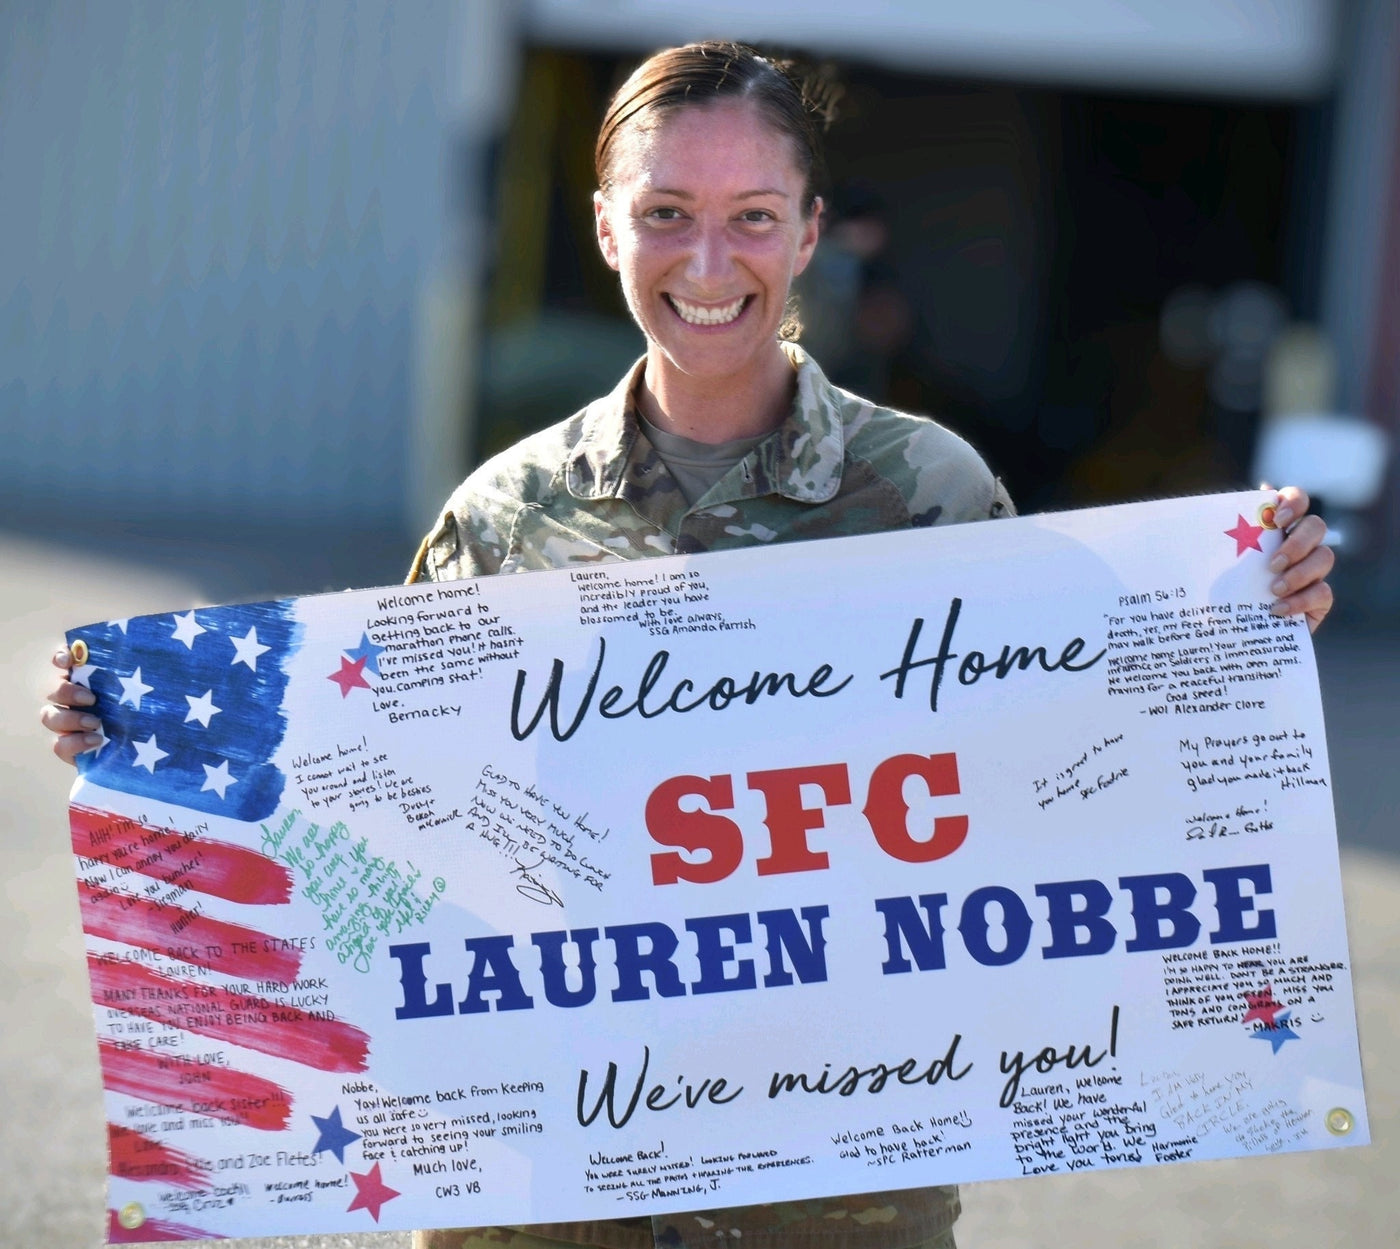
(1339, 458)
(1257, 48)
(448, 313)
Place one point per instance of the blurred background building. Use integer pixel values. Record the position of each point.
(273, 276)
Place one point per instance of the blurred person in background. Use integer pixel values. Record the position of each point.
(724, 435)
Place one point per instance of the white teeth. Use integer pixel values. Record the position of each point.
(696, 315)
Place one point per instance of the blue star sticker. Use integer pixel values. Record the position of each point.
(1278, 1033)
(335, 1136)
(367, 651)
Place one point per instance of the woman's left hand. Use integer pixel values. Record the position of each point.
(1302, 562)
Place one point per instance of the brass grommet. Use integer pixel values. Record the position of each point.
(1340, 1121)
(79, 651)
(132, 1215)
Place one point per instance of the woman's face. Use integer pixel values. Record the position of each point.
(704, 223)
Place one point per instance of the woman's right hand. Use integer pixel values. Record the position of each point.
(77, 728)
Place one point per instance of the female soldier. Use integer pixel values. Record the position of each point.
(723, 435)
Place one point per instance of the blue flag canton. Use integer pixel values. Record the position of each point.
(191, 705)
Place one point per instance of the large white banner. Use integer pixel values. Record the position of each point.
(996, 850)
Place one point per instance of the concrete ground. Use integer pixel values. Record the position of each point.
(52, 1146)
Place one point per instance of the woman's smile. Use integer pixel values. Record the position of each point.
(708, 314)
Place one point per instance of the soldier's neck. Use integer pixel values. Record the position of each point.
(746, 404)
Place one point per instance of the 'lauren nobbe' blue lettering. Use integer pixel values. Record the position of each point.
(643, 954)
(1232, 906)
(715, 956)
(1066, 919)
(904, 929)
(1161, 923)
(976, 929)
(1160, 909)
(655, 959)
(805, 948)
(975, 664)
(493, 972)
(414, 982)
(553, 969)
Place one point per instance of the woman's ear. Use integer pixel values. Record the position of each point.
(607, 240)
(811, 232)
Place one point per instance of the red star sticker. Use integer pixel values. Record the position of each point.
(1246, 537)
(1262, 1006)
(351, 675)
(371, 1192)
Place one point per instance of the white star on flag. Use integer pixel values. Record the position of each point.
(133, 689)
(247, 649)
(202, 708)
(120, 624)
(218, 778)
(82, 675)
(187, 629)
(101, 745)
(148, 754)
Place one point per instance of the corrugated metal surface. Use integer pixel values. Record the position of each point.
(213, 221)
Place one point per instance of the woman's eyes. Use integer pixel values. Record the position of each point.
(749, 217)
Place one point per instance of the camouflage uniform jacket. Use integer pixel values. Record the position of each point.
(593, 489)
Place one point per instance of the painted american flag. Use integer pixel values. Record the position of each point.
(191, 710)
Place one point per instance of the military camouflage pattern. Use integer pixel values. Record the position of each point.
(592, 490)
(795, 1234)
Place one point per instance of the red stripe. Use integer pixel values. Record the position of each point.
(174, 858)
(153, 1230)
(134, 1156)
(185, 935)
(240, 1018)
(233, 1096)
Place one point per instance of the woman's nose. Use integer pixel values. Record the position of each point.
(710, 255)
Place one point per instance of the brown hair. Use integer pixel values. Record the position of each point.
(797, 102)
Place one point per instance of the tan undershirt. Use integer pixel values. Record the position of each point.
(697, 466)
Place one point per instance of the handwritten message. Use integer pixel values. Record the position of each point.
(662, 603)
(361, 896)
(1195, 660)
(530, 830)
